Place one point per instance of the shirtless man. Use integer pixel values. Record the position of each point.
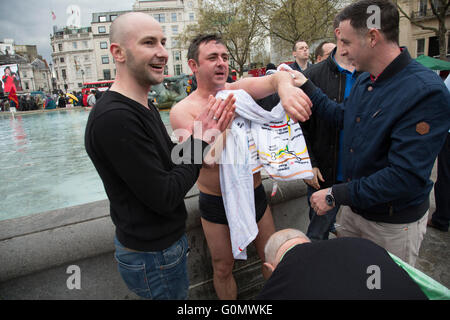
(208, 60)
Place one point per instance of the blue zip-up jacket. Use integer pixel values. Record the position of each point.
(394, 128)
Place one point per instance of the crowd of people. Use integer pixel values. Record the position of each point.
(28, 102)
(374, 121)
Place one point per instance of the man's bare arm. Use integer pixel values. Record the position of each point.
(294, 100)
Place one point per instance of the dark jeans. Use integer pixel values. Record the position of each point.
(441, 216)
(320, 226)
(160, 275)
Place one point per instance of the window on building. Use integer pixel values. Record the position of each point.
(88, 71)
(103, 45)
(160, 17)
(63, 73)
(191, 16)
(433, 47)
(175, 29)
(176, 55)
(61, 60)
(102, 29)
(166, 70)
(105, 59)
(178, 68)
(74, 45)
(420, 46)
(85, 44)
(174, 43)
(107, 74)
(102, 19)
(113, 17)
(27, 86)
(174, 16)
(60, 47)
(423, 7)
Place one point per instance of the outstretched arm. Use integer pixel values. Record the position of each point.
(294, 101)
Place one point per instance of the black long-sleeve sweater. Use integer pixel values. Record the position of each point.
(131, 150)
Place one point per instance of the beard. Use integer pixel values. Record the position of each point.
(141, 72)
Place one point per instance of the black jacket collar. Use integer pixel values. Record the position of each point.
(397, 65)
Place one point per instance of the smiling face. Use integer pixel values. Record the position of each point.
(143, 43)
(212, 65)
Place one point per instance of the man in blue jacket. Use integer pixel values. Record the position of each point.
(395, 121)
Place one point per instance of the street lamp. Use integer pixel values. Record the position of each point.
(51, 77)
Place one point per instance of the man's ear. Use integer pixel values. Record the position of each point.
(193, 65)
(117, 52)
(374, 36)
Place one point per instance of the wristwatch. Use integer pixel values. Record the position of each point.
(329, 198)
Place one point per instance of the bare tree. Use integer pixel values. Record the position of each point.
(292, 20)
(235, 21)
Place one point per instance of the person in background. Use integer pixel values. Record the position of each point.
(62, 101)
(323, 50)
(335, 76)
(441, 217)
(85, 97)
(300, 51)
(91, 99)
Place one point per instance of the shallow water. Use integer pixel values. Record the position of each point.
(44, 165)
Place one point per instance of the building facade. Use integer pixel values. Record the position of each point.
(73, 58)
(417, 40)
(82, 55)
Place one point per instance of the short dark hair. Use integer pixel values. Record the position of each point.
(198, 40)
(294, 47)
(319, 49)
(358, 16)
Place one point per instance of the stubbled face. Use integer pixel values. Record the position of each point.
(146, 53)
(301, 51)
(212, 66)
(353, 45)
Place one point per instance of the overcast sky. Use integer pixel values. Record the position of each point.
(30, 22)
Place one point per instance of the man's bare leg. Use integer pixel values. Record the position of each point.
(219, 243)
(266, 228)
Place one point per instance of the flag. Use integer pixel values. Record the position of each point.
(53, 16)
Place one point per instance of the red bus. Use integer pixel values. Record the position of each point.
(97, 85)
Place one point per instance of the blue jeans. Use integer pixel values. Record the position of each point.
(160, 275)
(320, 226)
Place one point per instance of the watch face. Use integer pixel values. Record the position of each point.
(329, 200)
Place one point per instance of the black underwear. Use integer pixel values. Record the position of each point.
(213, 210)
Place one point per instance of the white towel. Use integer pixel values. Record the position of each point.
(258, 138)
